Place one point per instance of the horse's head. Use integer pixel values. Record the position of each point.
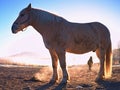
(23, 20)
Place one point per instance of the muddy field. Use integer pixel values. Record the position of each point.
(19, 78)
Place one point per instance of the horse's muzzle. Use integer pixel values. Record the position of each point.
(14, 28)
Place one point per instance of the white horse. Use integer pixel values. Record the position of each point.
(61, 36)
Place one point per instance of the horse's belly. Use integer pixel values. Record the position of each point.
(82, 48)
(77, 51)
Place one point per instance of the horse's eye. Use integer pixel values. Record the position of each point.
(22, 15)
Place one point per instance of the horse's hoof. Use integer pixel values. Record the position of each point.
(98, 79)
(64, 81)
(52, 81)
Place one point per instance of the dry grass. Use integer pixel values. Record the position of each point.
(18, 78)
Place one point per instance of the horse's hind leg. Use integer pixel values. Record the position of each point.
(54, 65)
(101, 55)
(61, 56)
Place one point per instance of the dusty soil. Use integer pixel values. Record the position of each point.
(19, 78)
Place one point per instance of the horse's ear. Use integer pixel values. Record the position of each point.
(29, 7)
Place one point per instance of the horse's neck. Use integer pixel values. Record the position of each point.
(35, 19)
(41, 20)
(47, 24)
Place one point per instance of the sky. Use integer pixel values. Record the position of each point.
(81, 11)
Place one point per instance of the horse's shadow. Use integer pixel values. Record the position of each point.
(102, 85)
(45, 86)
(108, 85)
(57, 86)
(60, 86)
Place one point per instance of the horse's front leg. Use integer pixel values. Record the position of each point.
(54, 58)
(62, 60)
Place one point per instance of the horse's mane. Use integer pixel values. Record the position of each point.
(47, 15)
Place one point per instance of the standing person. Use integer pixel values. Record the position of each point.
(90, 63)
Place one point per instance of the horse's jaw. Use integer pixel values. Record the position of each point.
(16, 31)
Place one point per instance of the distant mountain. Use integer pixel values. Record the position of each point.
(25, 54)
(28, 58)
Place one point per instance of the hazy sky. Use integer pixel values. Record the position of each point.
(82, 11)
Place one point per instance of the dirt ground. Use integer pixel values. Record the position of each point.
(19, 78)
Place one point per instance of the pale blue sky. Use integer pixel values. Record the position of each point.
(105, 11)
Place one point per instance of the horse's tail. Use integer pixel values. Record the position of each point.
(109, 61)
